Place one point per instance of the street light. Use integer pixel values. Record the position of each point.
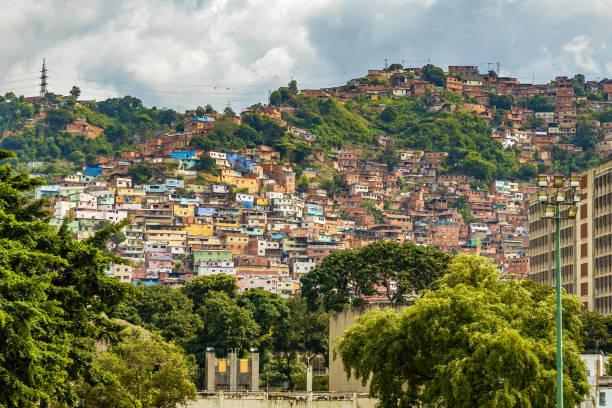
(555, 192)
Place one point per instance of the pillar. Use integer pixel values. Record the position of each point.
(233, 371)
(210, 375)
(254, 371)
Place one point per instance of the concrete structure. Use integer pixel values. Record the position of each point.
(586, 243)
(338, 324)
(231, 373)
(281, 400)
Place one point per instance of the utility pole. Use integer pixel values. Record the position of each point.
(386, 63)
(498, 69)
(43, 80)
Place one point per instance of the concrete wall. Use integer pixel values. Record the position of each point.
(338, 323)
(282, 400)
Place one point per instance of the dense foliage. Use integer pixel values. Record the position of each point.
(53, 291)
(473, 342)
(124, 121)
(140, 371)
(343, 277)
(209, 312)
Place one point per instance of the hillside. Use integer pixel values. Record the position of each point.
(436, 121)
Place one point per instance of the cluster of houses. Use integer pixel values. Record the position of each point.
(532, 133)
(253, 219)
(249, 221)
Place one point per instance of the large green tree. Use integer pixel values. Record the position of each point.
(226, 327)
(141, 371)
(53, 291)
(160, 309)
(476, 341)
(344, 276)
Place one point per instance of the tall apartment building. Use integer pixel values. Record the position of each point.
(586, 243)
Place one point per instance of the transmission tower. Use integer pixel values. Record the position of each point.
(43, 80)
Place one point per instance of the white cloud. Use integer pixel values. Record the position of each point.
(580, 48)
(194, 52)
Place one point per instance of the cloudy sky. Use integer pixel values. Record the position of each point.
(184, 53)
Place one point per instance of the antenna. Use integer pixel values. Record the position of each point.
(43, 80)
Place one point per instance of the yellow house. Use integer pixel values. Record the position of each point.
(131, 192)
(173, 238)
(129, 195)
(205, 230)
(227, 227)
(124, 198)
(183, 210)
(234, 178)
(228, 175)
(251, 184)
(261, 201)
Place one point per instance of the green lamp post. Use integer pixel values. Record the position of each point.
(556, 192)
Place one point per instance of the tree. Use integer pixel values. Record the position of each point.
(586, 137)
(116, 133)
(141, 371)
(395, 67)
(58, 117)
(160, 309)
(476, 341)
(53, 291)
(228, 112)
(293, 89)
(501, 101)
(527, 171)
(344, 276)
(75, 91)
(539, 103)
(268, 309)
(118, 237)
(226, 326)
(596, 335)
(389, 155)
(141, 173)
(200, 111)
(389, 114)
(433, 74)
(207, 164)
(198, 289)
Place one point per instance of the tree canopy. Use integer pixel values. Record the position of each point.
(473, 342)
(344, 276)
(140, 371)
(53, 291)
(434, 74)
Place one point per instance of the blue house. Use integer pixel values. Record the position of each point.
(94, 171)
(183, 155)
(175, 183)
(204, 211)
(155, 188)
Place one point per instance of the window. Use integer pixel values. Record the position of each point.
(584, 270)
(583, 211)
(584, 230)
(602, 398)
(583, 250)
